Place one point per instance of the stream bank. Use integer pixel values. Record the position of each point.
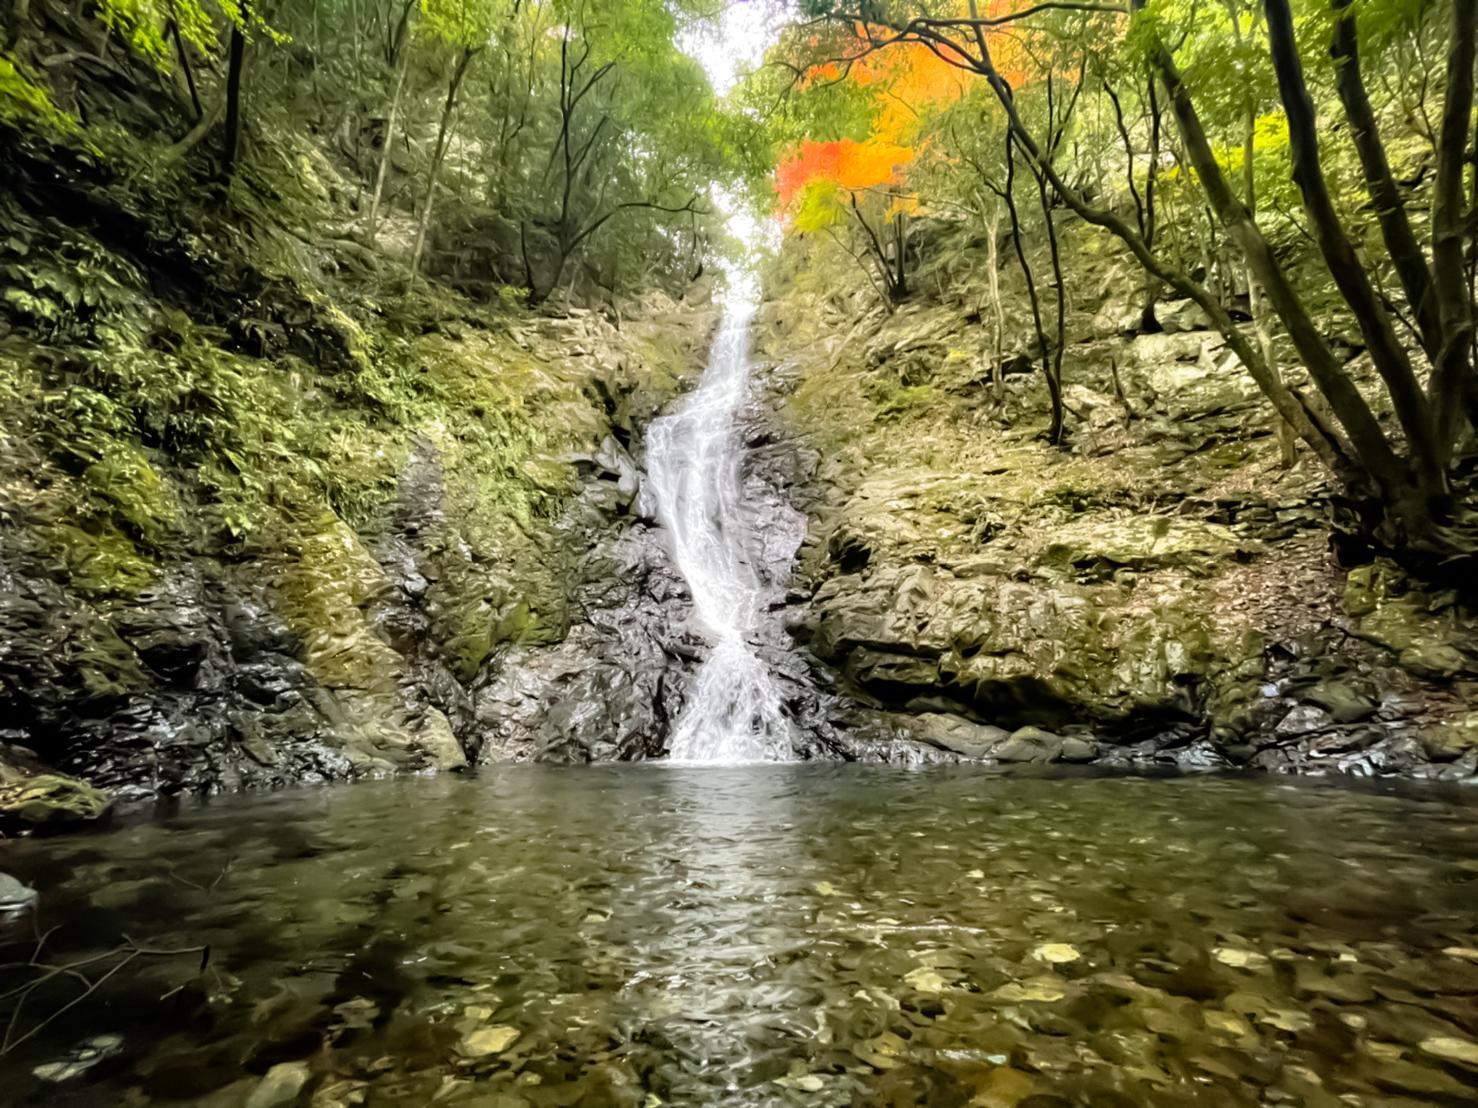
(1158, 592)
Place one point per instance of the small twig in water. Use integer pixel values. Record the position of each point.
(126, 953)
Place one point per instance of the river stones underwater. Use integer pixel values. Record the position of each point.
(804, 935)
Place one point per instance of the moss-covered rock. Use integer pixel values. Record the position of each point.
(47, 800)
(1157, 579)
(272, 530)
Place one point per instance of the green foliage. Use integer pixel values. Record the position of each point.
(143, 25)
(146, 25)
(24, 103)
(820, 207)
(466, 23)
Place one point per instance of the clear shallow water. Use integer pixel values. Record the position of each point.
(778, 935)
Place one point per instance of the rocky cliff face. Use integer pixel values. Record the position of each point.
(1159, 592)
(256, 530)
(254, 535)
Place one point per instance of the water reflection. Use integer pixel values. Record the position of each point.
(767, 936)
(728, 867)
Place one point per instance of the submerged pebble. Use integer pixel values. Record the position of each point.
(489, 1040)
(14, 896)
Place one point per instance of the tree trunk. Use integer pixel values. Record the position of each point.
(1380, 183)
(1287, 442)
(443, 137)
(1009, 195)
(998, 313)
(886, 281)
(1054, 378)
(1452, 369)
(372, 222)
(900, 256)
(186, 69)
(233, 99)
(1147, 321)
(1343, 263)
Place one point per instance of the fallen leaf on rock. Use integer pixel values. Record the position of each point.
(925, 980)
(806, 1083)
(1239, 959)
(1030, 992)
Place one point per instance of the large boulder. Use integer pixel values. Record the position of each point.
(1015, 651)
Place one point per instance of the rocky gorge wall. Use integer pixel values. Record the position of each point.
(267, 517)
(263, 525)
(439, 631)
(1160, 592)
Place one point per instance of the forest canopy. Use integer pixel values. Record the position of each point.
(509, 147)
(1300, 173)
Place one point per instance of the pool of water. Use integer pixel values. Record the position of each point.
(789, 935)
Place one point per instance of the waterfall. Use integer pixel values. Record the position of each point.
(694, 470)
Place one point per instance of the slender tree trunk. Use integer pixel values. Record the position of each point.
(373, 220)
(879, 255)
(443, 138)
(184, 59)
(900, 255)
(1031, 286)
(998, 313)
(1452, 370)
(354, 45)
(1287, 440)
(1390, 209)
(533, 294)
(1054, 378)
(1147, 320)
(1343, 263)
(1152, 174)
(236, 64)
(1470, 391)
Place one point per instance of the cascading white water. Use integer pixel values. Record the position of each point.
(694, 459)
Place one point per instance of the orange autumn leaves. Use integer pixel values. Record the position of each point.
(846, 164)
(816, 178)
(901, 83)
(905, 79)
